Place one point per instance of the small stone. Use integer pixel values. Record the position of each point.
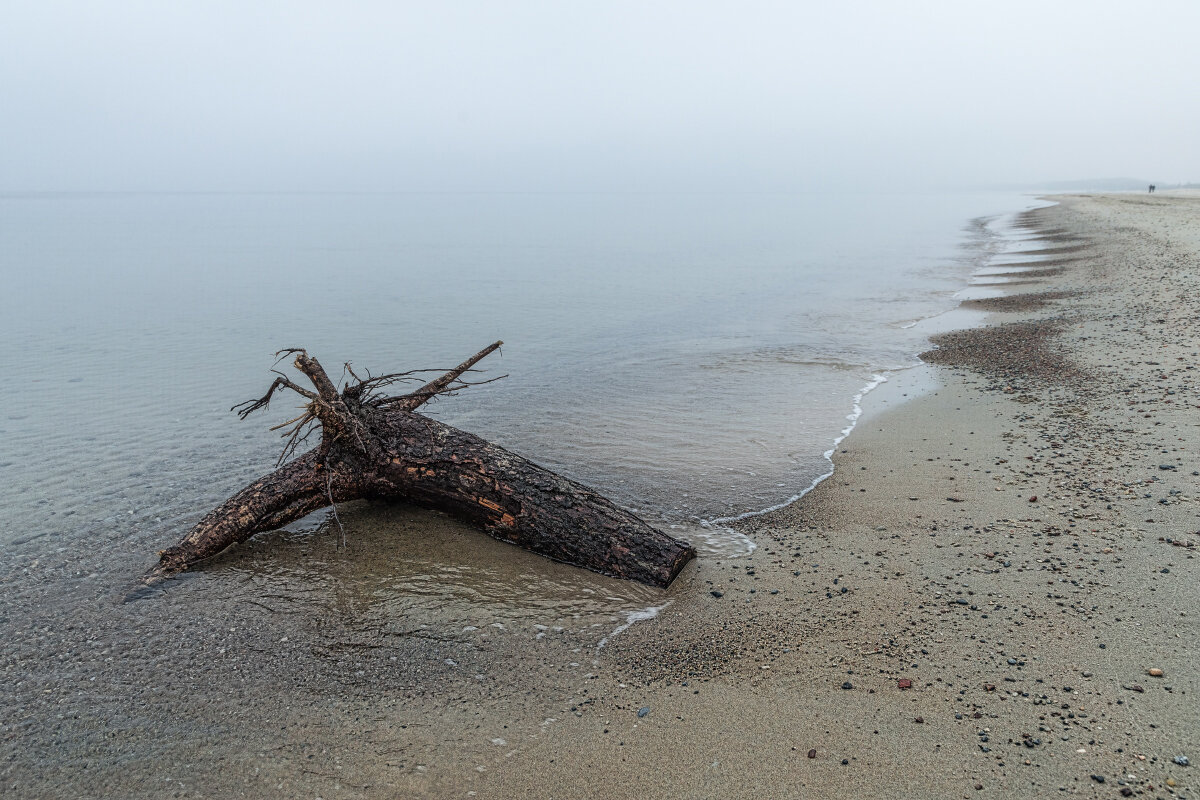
(1170, 781)
(1154, 672)
(978, 787)
(904, 683)
(847, 685)
(1181, 760)
(845, 761)
(1137, 688)
(643, 711)
(812, 753)
(919, 720)
(1098, 778)
(717, 593)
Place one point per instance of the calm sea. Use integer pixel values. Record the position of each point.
(692, 356)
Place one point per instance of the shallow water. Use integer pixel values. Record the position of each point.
(694, 357)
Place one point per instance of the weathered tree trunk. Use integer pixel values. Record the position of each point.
(375, 446)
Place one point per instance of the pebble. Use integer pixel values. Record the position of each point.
(1098, 778)
(904, 683)
(1181, 760)
(812, 753)
(1154, 672)
(847, 685)
(643, 711)
(716, 593)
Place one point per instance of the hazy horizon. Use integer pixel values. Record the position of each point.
(526, 96)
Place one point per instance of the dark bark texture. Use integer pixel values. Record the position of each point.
(376, 446)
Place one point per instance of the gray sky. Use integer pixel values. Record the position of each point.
(515, 95)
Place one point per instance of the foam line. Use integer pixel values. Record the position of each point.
(852, 418)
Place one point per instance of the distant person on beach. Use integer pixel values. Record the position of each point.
(1152, 188)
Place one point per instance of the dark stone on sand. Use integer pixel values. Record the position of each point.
(1017, 302)
(1098, 778)
(643, 711)
(717, 593)
(1014, 350)
(847, 685)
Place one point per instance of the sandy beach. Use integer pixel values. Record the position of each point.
(994, 595)
(973, 603)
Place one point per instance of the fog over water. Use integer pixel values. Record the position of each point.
(593, 96)
(693, 356)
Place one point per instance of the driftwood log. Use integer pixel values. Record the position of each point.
(373, 445)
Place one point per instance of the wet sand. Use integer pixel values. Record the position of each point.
(1010, 533)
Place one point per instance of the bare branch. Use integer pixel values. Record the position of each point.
(290, 421)
(306, 424)
(435, 387)
(250, 406)
(449, 391)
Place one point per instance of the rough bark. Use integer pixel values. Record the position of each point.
(377, 446)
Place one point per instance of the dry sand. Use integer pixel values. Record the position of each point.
(1011, 533)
